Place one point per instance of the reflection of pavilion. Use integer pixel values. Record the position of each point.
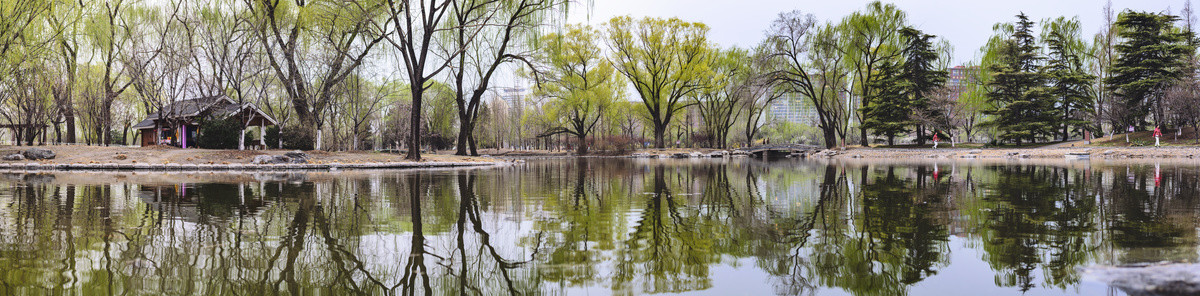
(200, 202)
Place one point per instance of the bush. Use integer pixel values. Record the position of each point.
(219, 133)
(616, 144)
(296, 138)
(272, 137)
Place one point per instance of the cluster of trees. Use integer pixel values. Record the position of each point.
(350, 75)
(1138, 72)
(103, 65)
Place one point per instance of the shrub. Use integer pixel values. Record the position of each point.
(219, 133)
(297, 138)
(272, 137)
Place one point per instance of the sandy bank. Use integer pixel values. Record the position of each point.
(170, 158)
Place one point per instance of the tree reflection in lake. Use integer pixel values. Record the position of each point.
(596, 226)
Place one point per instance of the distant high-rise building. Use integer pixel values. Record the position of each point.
(513, 96)
(959, 77)
(794, 108)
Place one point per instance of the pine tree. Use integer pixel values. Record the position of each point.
(1022, 110)
(1151, 57)
(888, 114)
(1070, 85)
(920, 74)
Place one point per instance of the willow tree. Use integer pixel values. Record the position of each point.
(312, 46)
(666, 60)
(414, 32)
(581, 84)
(809, 64)
(720, 100)
(487, 35)
(871, 38)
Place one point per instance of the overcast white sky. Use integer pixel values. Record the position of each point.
(965, 23)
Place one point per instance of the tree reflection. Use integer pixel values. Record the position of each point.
(616, 226)
(667, 252)
(1037, 217)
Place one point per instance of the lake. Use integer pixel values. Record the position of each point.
(600, 226)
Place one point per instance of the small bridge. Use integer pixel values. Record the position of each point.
(780, 150)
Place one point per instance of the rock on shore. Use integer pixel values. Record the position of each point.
(1159, 279)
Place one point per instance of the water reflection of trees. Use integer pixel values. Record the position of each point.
(622, 227)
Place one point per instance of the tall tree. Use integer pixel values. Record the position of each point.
(665, 59)
(1151, 56)
(719, 102)
(111, 30)
(889, 112)
(66, 18)
(1103, 56)
(292, 32)
(759, 89)
(808, 63)
(486, 35)
(580, 83)
(1070, 85)
(921, 73)
(871, 38)
(416, 26)
(1021, 111)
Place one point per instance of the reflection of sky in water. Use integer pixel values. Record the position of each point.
(619, 226)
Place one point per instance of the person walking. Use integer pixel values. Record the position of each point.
(1157, 134)
(1129, 131)
(935, 139)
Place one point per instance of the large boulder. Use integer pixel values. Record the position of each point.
(270, 159)
(1157, 279)
(14, 157)
(297, 156)
(37, 153)
(290, 157)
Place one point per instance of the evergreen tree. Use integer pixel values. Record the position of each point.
(888, 114)
(920, 73)
(1021, 110)
(1150, 57)
(1069, 83)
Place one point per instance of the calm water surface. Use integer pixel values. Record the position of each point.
(599, 227)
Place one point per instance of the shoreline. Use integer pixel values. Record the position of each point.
(158, 158)
(1166, 152)
(33, 166)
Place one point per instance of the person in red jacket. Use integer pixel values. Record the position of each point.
(935, 140)
(1157, 134)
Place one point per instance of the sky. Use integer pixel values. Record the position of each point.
(967, 24)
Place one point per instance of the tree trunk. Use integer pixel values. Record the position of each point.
(583, 147)
(242, 139)
(414, 139)
(70, 122)
(863, 132)
(830, 137)
(920, 135)
(474, 146)
(660, 131)
(464, 135)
